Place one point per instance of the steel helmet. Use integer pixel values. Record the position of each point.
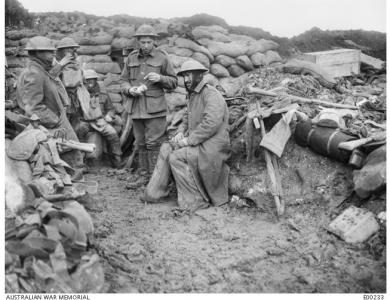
(40, 43)
(90, 74)
(67, 42)
(146, 30)
(191, 65)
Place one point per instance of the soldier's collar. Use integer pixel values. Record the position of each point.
(152, 53)
(200, 86)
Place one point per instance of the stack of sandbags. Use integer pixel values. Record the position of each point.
(111, 85)
(16, 56)
(234, 54)
(123, 37)
(94, 51)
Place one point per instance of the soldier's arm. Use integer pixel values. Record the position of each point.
(109, 108)
(168, 79)
(183, 127)
(32, 97)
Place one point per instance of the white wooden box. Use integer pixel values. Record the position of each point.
(339, 62)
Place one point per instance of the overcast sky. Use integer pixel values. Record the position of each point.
(284, 18)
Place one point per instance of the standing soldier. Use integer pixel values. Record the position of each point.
(71, 76)
(147, 72)
(38, 93)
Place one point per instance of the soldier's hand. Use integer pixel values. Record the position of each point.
(108, 118)
(60, 133)
(133, 91)
(178, 137)
(66, 59)
(153, 77)
(183, 142)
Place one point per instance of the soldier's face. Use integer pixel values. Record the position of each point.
(146, 43)
(91, 83)
(188, 79)
(46, 56)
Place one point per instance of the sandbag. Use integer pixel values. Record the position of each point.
(185, 43)
(244, 62)
(124, 43)
(202, 58)
(215, 33)
(20, 34)
(104, 68)
(113, 88)
(236, 70)
(258, 59)
(225, 60)
(211, 79)
(261, 46)
(175, 100)
(162, 28)
(11, 43)
(20, 168)
(177, 50)
(219, 71)
(115, 98)
(372, 177)
(124, 31)
(112, 79)
(102, 38)
(242, 38)
(272, 56)
(232, 86)
(295, 66)
(177, 61)
(232, 49)
(93, 50)
(17, 62)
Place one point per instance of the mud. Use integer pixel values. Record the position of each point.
(148, 248)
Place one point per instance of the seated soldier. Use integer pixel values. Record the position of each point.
(97, 114)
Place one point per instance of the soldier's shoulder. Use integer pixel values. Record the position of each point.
(162, 52)
(134, 52)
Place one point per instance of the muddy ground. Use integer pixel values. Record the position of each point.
(148, 248)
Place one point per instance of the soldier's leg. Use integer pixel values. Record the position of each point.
(142, 173)
(139, 135)
(155, 135)
(188, 195)
(113, 142)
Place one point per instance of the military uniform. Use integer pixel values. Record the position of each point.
(148, 110)
(93, 111)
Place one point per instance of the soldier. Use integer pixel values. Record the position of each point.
(97, 115)
(147, 72)
(37, 92)
(202, 147)
(71, 77)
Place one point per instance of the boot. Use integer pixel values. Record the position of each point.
(116, 161)
(141, 177)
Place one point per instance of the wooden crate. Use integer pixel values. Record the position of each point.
(338, 63)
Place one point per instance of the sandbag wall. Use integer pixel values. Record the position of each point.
(229, 57)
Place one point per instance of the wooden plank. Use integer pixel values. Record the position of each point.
(372, 61)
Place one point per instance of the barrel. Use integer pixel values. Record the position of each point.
(323, 140)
